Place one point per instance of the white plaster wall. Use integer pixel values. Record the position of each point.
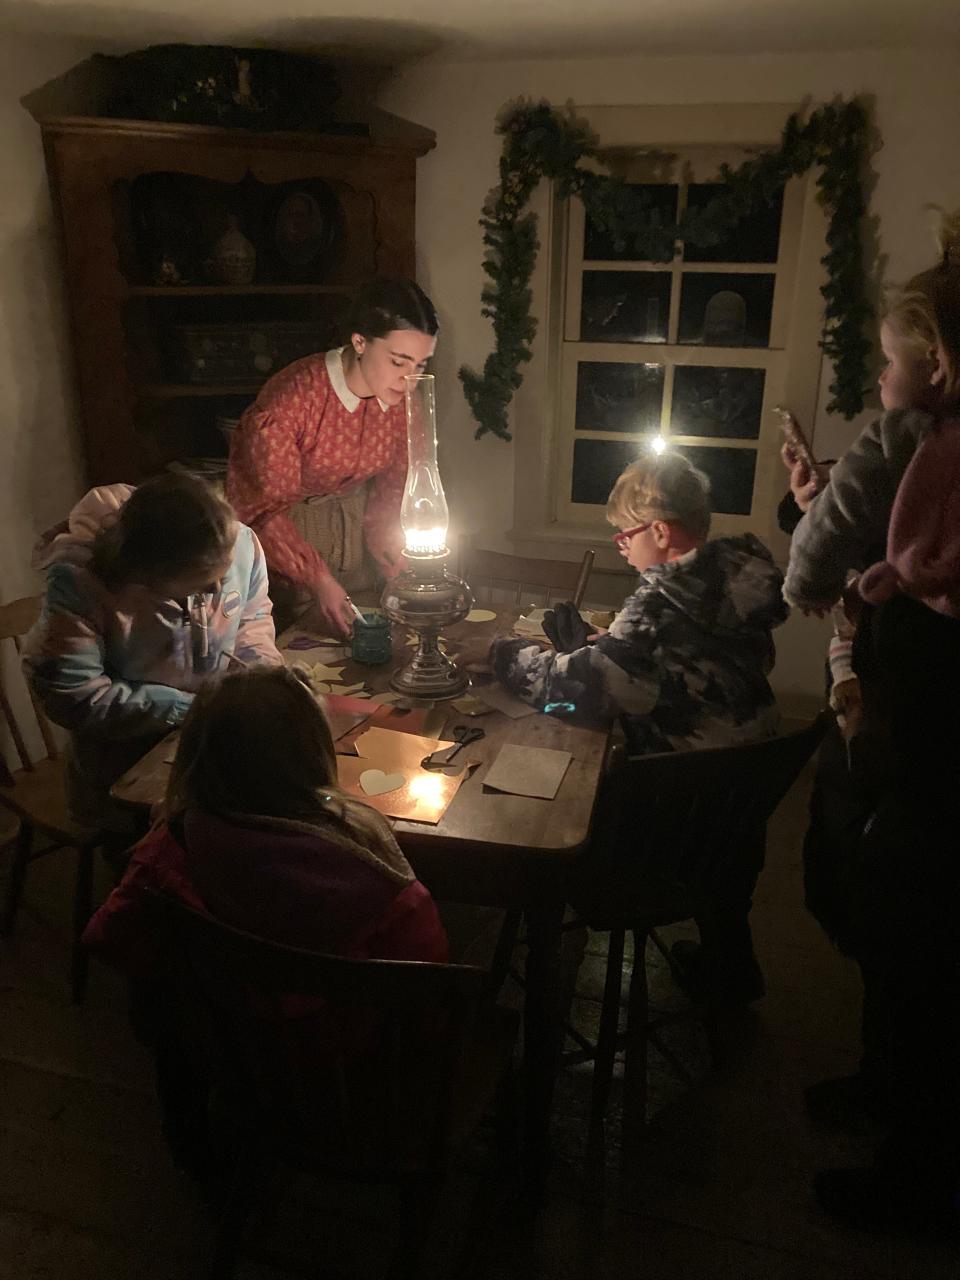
(40, 471)
(917, 98)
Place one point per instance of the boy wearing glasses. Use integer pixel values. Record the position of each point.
(684, 665)
(685, 661)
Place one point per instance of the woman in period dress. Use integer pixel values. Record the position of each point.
(322, 428)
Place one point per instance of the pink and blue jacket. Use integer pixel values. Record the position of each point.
(119, 669)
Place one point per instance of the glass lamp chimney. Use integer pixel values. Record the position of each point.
(423, 511)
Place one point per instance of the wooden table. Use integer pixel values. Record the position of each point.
(488, 848)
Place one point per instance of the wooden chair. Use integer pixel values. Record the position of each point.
(392, 1071)
(668, 827)
(36, 794)
(487, 572)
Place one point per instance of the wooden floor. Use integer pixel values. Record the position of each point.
(721, 1189)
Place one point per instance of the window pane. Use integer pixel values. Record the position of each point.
(662, 210)
(619, 397)
(755, 238)
(710, 401)
(596, 465)
(731, 474)
(726, 310)
(625, 306)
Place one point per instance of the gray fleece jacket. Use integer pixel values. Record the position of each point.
(852, 513)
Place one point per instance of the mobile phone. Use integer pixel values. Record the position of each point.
(795, 438)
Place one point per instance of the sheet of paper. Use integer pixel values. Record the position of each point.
(528, 771)
(423, 795)
(495, 696)
(531, 624)
(344, 714)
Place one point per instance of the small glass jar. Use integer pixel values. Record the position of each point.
(372, 642)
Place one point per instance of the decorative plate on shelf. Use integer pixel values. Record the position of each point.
(304, 231)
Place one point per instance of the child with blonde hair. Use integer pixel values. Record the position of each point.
(895, 488)
(684, 665)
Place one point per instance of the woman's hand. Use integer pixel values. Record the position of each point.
(334, 607)
(804, 483)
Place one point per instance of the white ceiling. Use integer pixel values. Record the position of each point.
(386, 31)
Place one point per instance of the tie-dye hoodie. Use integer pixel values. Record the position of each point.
(686, 660)
(119, 669)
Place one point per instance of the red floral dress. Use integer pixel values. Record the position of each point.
(307, 435)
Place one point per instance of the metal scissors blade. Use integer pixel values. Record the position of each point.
(462, 737)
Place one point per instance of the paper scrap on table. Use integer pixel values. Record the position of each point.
(321, 671)
(471, 706)
(423, 795)
(383, 699)
(496, 696)
(531, 624)
(528, 771)
(344, 714)
(480, 615)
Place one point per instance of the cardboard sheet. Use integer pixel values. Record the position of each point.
(422, 796)
(528, 771)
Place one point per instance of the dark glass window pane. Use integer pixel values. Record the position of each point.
(755, 239)
(625, 306)
(709, 401)
(731, 474)
(596, 465)
(719, 310)
(619, 397)
(599, 245)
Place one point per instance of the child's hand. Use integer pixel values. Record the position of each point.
(564, 627)
(847, 701)
(804, 483)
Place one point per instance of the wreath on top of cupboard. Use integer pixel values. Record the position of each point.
(541, 141)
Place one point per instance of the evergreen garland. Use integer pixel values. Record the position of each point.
(542, 142)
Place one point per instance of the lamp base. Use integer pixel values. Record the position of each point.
(430, 675)
(426, 598)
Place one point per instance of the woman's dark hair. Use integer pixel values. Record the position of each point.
(385, 305)
(256, 744)
(169, 524)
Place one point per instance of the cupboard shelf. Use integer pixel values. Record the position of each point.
(121, 334)
(236, 290)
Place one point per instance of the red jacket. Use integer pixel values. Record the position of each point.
(290, 886)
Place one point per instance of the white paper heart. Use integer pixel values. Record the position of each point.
(374, 782)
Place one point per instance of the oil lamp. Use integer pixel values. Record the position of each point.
(426, 597)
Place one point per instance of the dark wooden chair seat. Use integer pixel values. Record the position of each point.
(394, 1068)
(668, 826)
(36, 794)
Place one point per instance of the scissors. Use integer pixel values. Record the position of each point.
(462, 737)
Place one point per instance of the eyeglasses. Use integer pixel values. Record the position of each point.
(621, 539)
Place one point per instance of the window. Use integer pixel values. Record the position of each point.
(689, 351)
(697, 350)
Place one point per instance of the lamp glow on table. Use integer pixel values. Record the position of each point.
(426, 597)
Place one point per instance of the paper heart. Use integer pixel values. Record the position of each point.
(374, 782)
(480, 615)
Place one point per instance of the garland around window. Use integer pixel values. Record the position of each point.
(542, 142)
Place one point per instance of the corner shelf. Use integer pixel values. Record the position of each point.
(233, 290)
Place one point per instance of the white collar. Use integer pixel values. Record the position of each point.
(349, 400)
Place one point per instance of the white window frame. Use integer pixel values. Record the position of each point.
(545, 405)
